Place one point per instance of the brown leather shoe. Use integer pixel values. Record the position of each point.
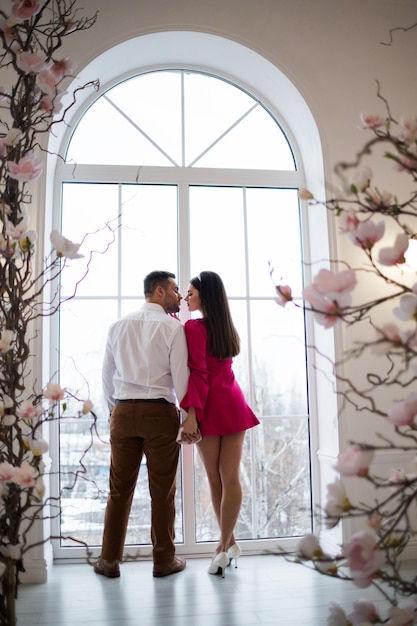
(111, 570)
(177, 565)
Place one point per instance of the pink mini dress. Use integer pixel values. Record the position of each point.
(213, 391)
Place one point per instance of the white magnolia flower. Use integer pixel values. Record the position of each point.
(65, 247)
(407, 309)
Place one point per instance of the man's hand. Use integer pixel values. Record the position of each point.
(189, 431)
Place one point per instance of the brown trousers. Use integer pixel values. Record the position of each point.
(137, 429)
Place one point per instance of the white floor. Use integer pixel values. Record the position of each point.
(263, 590)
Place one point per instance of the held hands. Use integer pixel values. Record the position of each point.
(189, 431)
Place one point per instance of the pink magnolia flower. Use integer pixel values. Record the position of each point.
(65, 247)
(54, 392)
(309, 547)
(50, 104)
(337, 616)
(7, 249)
(46, 81)
(8, 31)
(62, 68)
(364, 557)
(8, 419)
(31, 62)
(305, 194)
(349, 222)
(388, 337)
(355, 461)
(337, 503)
(329, 312)
(403, 615)
(25, 475)
(7, 471)
(379, 199)
(28, 168)
(407, 311)
(11, 551)
(363, 611)
(6, 339)
(396, 479)
(24, 9)
(87, 406)
(406, 163)
(328, 283)
(17, 231)
(284, 294)
(404, 413)
(40, 487)
(367, 234)
(395, 254)
(408, 130)
(69, 25)
(371, 121)
(326, 566)
(329, 295)
(28, 411)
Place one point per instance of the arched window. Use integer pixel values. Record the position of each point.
(184, 170)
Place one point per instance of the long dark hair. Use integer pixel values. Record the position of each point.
(223, 338)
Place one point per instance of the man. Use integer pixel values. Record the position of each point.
(145, 373)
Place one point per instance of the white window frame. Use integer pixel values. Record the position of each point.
(245, 68)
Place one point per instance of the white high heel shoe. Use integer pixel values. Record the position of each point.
(234, 552)
(219, 564)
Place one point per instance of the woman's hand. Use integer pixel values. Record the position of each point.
(190, 431)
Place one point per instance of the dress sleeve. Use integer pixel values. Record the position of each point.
(196, 335)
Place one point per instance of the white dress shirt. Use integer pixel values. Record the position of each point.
(146, 357)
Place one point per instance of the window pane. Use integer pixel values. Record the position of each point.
(153, 104)
(282, 477)
(148, 238)
(86, 209)
(273, 238)
(256, 142)
(83, 332)
(105, 136)
(207, 528)
(217, 235)
(279, 360)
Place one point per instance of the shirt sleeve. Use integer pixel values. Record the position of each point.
(178, 362)
(198, 387)
(109, 367)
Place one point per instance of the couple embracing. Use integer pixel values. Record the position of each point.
(152, 363)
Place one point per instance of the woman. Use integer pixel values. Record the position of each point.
(216, 405)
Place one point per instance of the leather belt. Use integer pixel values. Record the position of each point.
(137, 400)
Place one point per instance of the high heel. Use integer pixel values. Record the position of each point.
(234, 552)
(219, 564)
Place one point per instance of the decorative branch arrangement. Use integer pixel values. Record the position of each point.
(374, 555)
(31, 34)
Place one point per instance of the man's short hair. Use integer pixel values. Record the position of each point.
(154, 280)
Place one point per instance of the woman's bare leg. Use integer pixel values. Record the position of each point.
(221, 457)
